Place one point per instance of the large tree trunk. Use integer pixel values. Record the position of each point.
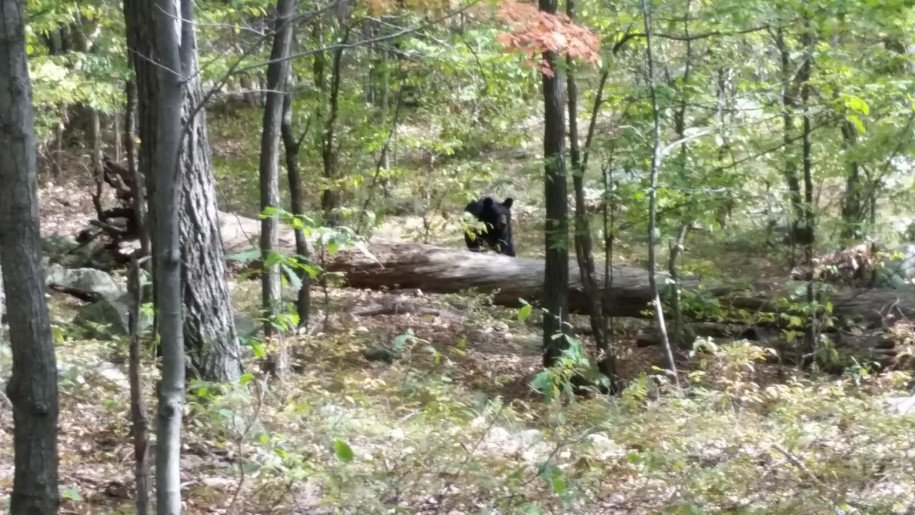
(277, 78)
(32, 388)
(209, 329)
(556, 233)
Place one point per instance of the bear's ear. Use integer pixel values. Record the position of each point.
(487, 202)
(508, 202)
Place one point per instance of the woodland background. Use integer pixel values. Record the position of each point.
(251, 227)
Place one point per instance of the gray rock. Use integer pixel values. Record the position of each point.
(57, 248)
(906, 265)
(72, 254)
(84, 283)
(380, 354)
(897, 273)
(108, 318)
(246, 326)
(113, 374)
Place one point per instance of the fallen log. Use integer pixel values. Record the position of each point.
(434, 269)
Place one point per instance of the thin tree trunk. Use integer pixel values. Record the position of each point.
(118, 133)
(583, 241)
(277, 79)
(2, 310)
(296, 191)
(138, 416)
(167, 244)
(380, 166)
(609, 219)
(59, 145)
(98, 168)
(807, 159)
(32, 387)
(330, 156)
(653, 198)
(854, 215)
(130, 150)
(385, 106)
(556, 231)
(676, 248)
(683, 157)
(796, 209)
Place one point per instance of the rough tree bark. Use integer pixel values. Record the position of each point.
(210, 334)
(556, 231)
(32, 387)
(277, 79)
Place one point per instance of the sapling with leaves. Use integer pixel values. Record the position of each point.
(292, 144)
(277, 79)
(655, 168)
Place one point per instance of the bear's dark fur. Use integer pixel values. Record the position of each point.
(497, 233)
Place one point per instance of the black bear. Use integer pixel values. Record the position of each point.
(497, 233)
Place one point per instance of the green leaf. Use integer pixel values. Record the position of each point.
(554, 477)
(401, 340)
(857, 104)
(245, 256)
(257, 348)
(859, 125)
(71, 493)
(524, 312)
(294, 280)
(343, 450)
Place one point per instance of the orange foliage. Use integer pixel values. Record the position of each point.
(534, 32)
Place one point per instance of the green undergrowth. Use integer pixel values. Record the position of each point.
(342, 435)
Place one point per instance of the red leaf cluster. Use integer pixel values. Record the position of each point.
(534, 32)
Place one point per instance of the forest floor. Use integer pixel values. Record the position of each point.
(452, 424)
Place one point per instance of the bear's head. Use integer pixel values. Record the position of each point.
(497, 219)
